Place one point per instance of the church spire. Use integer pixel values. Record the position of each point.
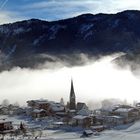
(72, 97)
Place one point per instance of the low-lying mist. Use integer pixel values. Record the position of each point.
(93, 82)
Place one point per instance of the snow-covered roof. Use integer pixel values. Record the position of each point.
(56, 107)
(4, 121)
(81, 105)
(80, 117)
(97, 127)
(124, 109)
(116, 117)
(38, 110)
(40, 101)
(43, 101)
(58, 123)
(84, 112)
(72, 110)
(88, 132)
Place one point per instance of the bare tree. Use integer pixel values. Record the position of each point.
(16, 104)
(62, 101)
(5, 102)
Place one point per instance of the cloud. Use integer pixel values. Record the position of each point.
(8, 17)
(57, 9)
(64, 9)
(5, 17)
(60, 9)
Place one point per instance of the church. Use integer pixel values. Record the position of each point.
(72, 102)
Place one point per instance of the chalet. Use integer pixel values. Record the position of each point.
(81, 121)
(5, 126)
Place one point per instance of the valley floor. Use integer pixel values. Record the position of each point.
(128, 132)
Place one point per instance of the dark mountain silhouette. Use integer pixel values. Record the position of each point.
(32, 42)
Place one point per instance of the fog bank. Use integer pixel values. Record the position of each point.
(94, 81)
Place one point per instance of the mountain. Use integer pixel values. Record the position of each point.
(33, 42)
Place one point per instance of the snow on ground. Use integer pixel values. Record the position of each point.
(126, 132)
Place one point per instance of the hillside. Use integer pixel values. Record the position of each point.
(33, 42)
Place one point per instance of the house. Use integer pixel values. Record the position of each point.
(57, 109)
(114, 120)
(81, 105)
(130, 114)
(4, 110)
(42, 108)
(29, 111)
(138, 105)
(38, 104)
(97, 119)
(5, 126)
(71, 113)
(84, 112)
(11, 110)
(39, 113)
(106, 112)
(81, 121)
(20, 111)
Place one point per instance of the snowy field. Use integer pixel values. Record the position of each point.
(130, 132)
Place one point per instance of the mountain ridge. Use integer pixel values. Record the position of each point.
(93, 35)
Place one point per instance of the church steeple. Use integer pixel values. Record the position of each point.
(72, 104)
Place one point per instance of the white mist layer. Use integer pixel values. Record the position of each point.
(95, 81)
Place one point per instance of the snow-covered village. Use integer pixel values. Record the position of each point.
(69, 69)
(47, 120)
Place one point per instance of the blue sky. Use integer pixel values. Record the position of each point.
(14, 10)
